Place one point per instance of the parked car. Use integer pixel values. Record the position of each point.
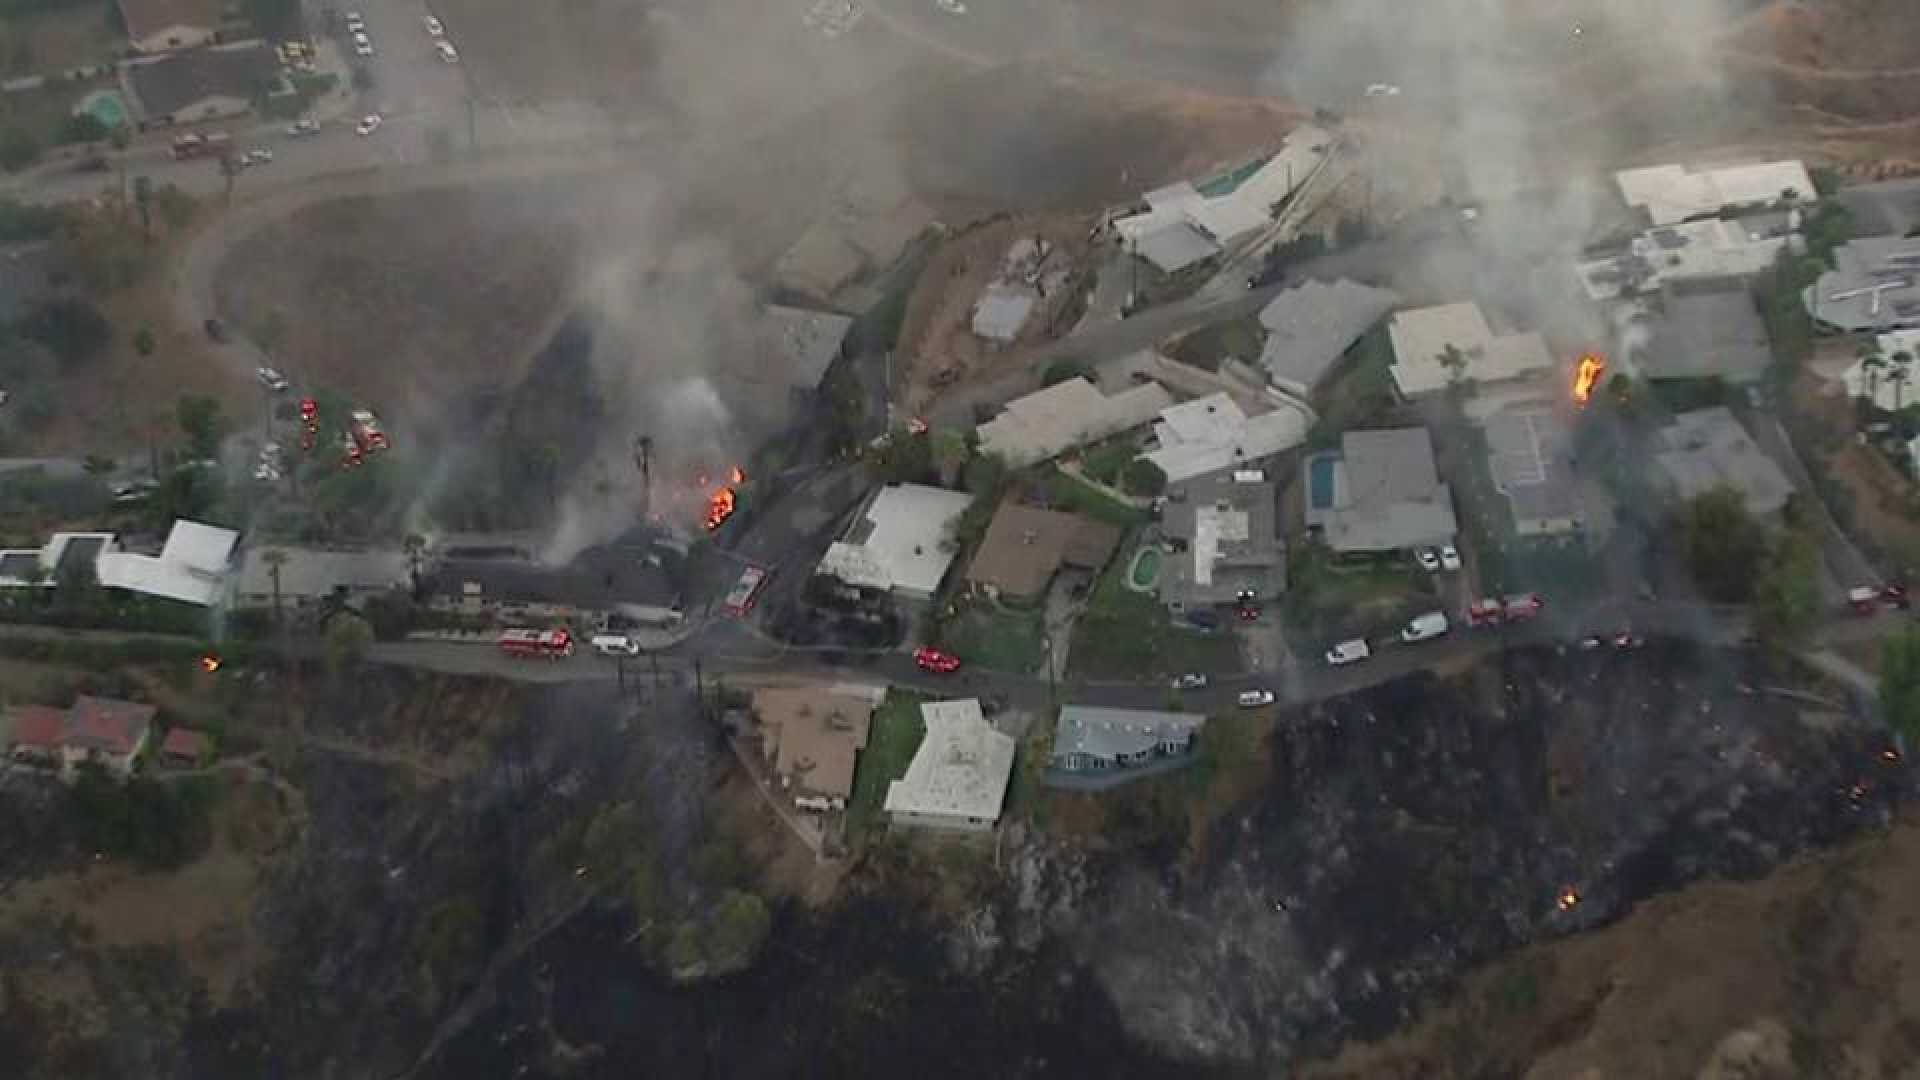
(448, 54)
(306, 125)
(271, 379)
(260, 156)
(1253, 699)
(1192, 680)
(615, 645)
(433, 26)
(1449, 558)
(1424, 627)
(1428, 560)
(1348, 652)
(368, 124)
(931, 659)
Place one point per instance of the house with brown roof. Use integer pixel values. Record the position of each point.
(1025, 546)
(184, 747)
(107, 732)
(812, 736)
(157, 26)
(33, 734)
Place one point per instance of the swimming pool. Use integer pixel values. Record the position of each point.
(1320, 481)
(105, 106)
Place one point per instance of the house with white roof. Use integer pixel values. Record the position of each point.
(1113, 746)
(190, 568)
(1893, 383)
(958, 777)
(1184, 225)
(1212, 433)
(901, 543)
(1066, 415)
(1421, 336)
(1692, 251)
(1671, 193)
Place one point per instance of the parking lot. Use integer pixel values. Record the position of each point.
(409, 78)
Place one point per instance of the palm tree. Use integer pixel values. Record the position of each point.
(275, 559)
(1872, 362)
(414, 545)
(1455, 361)
(1902, 364)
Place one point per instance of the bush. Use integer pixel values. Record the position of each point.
(1143, 477)
(740, 925)
(1061, 370)
(159, 826)
(19, 148)
(82, 128)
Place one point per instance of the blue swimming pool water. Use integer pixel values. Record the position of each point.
(1320, 482)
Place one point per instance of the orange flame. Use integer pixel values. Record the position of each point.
(209, 663)
(1591, 368)
(719, 507)
(735, 477)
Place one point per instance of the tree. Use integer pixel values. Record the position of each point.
(275, 559)
(70, 327)
(143, 201)
(201, 421)
(143, 342)
(229, 172)
(1061, 370)
(949, 452)
(1454, 362)
(985, 476)
(1872, 363)
(1143, 477)
(739, 927)
(82, 127)
(1900, 681)
(1900, 372)
(347, 640)
(1724, 544)
(1787, 596)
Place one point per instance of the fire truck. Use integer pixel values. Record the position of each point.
(554, 644)
(1516, 608)
(364, 427)
(309, 423)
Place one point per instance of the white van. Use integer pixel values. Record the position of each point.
(615, 645)
(1348, 652)
(1424, 627)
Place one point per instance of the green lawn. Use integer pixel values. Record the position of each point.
(1205, 349)
(984, 635)
(897, 730)
(1325, 602)
(1077, 496)
(1361, 389)
(1126, 634)
(1106, 461)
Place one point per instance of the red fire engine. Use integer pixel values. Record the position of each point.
(1517, 608)
(554, 644)
(365, 430)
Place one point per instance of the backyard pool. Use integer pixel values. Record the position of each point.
(1145, 571)
(105, 106)
(1320, 481)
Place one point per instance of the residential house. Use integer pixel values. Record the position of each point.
(1211, 433)
(204, 84)
(1708, 449)
(34, 734)
(812, 737)
(1884, 208)
(902, 542)
(310, 575)
(106, 732)
(184, 748)
(1184, 223)
(958, 777)
(191, 567)
(1530, 457)
(600, 581)
(1025, 546)
(1310, 326)
(1089, 740)
(62, 557)
(1380, 493)
(159, 26)
(1670, 194)
(1422, 337)
(1692, 251)
(1069, 414)
(1871, 287)
(1705, 329)
(1224, 541)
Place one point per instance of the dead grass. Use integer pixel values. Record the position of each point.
(57, 38)
(405, 300)
(1813, 948)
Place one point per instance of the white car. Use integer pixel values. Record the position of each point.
(368, 124)
(1381, 89)
(1424, 627)
(1192, 680)
(1348, 652)
(265, 473)
(951, 7)
(1253, 699)
(3, 397)
(262, 156)
(270, 379)
(615, 645)
(304, 126)
(434, 28)
(363, 47)
(447, 52)
(1428, 560)
(1449, 558)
